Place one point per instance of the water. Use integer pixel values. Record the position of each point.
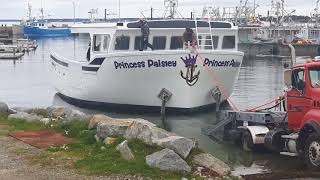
(26, 83)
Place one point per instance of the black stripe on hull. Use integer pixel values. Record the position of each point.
(137, 109)
(59, 62)
(90, 69)
(97, 61)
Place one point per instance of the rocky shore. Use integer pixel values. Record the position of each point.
(175, 153)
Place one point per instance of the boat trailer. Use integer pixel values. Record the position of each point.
(248, 128)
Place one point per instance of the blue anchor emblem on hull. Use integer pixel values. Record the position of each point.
(190, 76)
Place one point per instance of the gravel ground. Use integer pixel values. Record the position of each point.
(15, 166)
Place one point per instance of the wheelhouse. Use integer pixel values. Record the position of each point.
(165, 35)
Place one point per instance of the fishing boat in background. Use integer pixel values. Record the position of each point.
(42, 27)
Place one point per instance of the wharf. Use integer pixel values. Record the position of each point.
(11, 30)
(252, 49)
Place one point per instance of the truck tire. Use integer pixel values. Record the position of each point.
(247, 142)
(312, 151)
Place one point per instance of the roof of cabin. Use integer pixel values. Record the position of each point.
(181, 24)
(160, 24)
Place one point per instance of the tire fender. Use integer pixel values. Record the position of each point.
(257, 132)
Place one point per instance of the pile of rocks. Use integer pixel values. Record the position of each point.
(52, 112)
(175, 148)
(172, 157)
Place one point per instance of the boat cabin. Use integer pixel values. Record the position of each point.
(164, 35)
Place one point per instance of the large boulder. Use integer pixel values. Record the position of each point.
(125, 151)
(107, 126)
(4, 107)
(167, 160)
(22, 109)
(112, 128)
(146, 132)
(25, 116)
(180, 145)
(66, 113)
(212, 163)
(98, 118)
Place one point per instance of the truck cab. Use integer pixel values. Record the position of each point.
(303, 97)
(303, 110)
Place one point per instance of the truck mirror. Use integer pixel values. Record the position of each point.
(288, 78)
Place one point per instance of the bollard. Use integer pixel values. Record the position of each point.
(165, 95)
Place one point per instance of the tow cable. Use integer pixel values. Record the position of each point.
(225, 93)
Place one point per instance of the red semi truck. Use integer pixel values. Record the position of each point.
(294, 131)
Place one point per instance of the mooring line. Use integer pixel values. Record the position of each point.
(217, 82)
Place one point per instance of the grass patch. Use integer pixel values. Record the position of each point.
(20, 125)
(90, 157)
(40, 112)
(100, 159)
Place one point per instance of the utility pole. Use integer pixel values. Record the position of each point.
(254, 8)
(151, 15)
(119, 10)
(74, 11)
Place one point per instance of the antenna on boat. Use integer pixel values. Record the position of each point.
(171, 7)
(93, 14)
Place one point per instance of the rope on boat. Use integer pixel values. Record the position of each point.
(225, 93)
(218, 83)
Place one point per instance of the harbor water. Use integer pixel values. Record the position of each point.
(26, 83)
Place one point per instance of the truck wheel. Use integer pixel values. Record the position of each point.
(247, 142)
(312, 151)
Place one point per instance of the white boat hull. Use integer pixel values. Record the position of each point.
(140, 80)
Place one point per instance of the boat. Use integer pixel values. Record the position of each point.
(117, 74)
(43, 28)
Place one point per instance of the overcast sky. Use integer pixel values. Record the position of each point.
(17, 9)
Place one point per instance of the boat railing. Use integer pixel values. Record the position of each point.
(203, 34)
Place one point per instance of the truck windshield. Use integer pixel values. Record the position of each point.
(315, 77)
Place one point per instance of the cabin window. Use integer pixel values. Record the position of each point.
(315, 77)
(101, 42)
(137, 43)
(298, 79)
(200, 40)
(176, 42)
(208, 42)
(122, 43)
(159, 42)
(96, 43)
(215, 41)
(229, 42)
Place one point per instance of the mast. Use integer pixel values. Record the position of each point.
(119, 6)
(254, 8)
(317, 13)
(74, 11)
(29, 11)
(170, 8)
(41, 10)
